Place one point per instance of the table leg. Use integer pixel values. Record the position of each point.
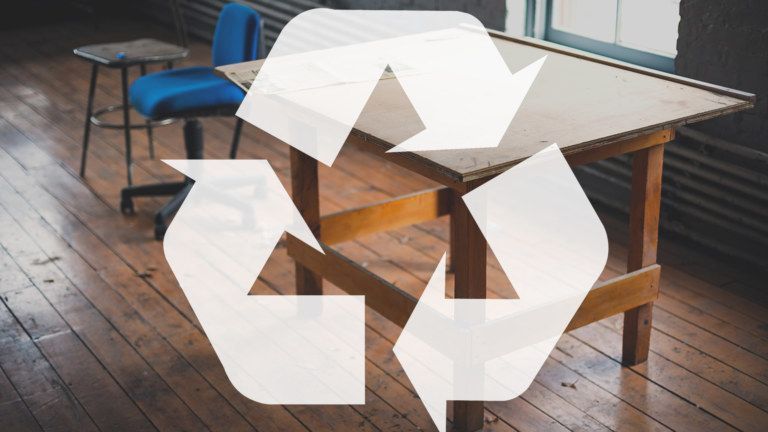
(643, 238)
(306, 196)
(88, 114)
(127, 125)
(452, 237)
(469, 267)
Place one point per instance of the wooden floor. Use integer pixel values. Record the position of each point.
(95, 334)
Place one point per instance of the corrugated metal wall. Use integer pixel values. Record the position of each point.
(200, 15)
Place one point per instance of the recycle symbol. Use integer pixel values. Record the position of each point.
(291, 349)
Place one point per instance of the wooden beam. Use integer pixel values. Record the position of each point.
(306, 196)
(644, 211)
(385, 298)
(618, 295)
(581, 156)
(386, 215)
(469, 266)
(643, 237)
(603, 300)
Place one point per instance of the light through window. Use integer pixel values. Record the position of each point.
(649, 25)
(639, 31)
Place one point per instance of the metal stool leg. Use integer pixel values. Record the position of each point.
(88, 114)
(149, 122)
(127, 126)
(236, 138)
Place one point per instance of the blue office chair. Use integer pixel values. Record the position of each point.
(193, 92)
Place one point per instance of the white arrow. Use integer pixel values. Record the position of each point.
(275, 349)
(314, 84)
(552, 247)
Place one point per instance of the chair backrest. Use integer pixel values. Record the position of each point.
(237, 35)
(178, 22)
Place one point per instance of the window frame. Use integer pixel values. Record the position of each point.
(608, 49)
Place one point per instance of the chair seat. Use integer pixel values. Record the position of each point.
(173, 92)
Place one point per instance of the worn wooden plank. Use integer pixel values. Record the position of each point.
(101, 396)
(70, 357)
(388, 404)
(15, 413)
(728, 408)
(45, 394)
(262, 420)
(646, 396)
(152, 346)
(317, 414)
(592, 399)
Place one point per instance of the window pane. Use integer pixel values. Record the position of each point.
(595, 19)
(650, 25)
(515, 22)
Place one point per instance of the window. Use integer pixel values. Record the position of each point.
(515, 22)
(643, 32)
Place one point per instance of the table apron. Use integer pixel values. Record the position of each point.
(463, 183)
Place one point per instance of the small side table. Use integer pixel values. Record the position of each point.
(123, 55)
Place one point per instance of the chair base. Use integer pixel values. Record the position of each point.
(193, 141)
(178, 190)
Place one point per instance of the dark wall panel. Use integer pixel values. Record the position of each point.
(490, 12)
(726, 43)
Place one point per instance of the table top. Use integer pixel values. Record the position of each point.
(139, 51)
(579, 101)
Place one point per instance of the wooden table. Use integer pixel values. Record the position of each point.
(592, 107)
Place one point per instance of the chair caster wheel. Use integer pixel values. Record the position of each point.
(160, 232)
(126, 206)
